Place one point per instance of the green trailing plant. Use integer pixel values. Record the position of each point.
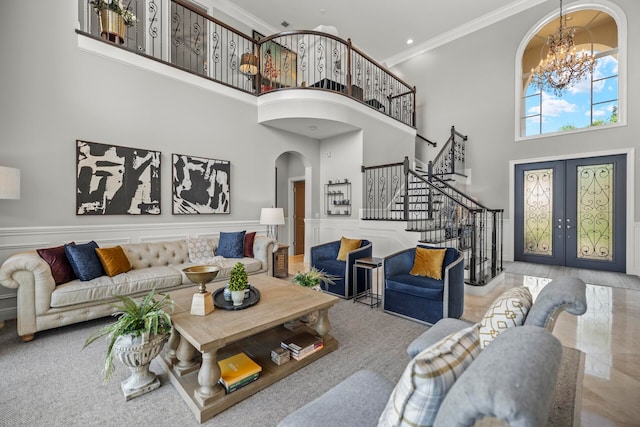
(114, 6)
(238, 278)
(147, 317)
(313, 278)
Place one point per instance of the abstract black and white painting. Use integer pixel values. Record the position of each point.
(200, 186)
(113, 180)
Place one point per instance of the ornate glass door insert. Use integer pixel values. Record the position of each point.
(595, 212)
(538, 211)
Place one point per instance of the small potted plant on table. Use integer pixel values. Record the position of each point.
(136, 338)
(238, 282)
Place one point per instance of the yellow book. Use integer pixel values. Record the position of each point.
(236, 368)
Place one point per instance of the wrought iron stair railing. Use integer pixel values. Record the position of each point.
(443, 215)
(450, 160)
(182, 35)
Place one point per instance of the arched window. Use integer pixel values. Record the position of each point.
(597, 99)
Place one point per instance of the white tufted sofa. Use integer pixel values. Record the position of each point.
(43, 305)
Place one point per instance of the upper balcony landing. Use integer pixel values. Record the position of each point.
(307, 82)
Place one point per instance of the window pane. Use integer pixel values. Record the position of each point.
(532, 125)
(605, 113)
(605, 90)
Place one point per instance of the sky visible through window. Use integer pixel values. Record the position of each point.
(573, 109)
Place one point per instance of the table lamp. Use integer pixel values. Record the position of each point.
(272, 218)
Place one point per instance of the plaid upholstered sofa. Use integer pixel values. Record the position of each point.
(454, 380)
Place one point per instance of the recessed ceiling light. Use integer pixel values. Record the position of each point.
(409, 41)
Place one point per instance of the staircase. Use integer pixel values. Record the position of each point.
(431, 204)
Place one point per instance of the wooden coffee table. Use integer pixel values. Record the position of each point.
(198, 342)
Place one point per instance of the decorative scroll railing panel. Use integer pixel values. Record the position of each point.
(442, 214)
(185, 36)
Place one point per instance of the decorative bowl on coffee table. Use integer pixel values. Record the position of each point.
(202, 302)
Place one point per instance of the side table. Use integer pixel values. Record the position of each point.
(281, 262)
(370, 296)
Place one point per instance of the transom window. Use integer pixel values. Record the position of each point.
(594, 100)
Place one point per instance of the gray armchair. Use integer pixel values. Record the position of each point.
(561, 294)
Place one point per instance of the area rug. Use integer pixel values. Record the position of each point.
(567, 396)
(51, 381)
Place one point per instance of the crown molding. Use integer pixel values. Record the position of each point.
(242, 15)
(463, 30)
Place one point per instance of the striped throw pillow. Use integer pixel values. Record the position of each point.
(508, 310)
(428, 377)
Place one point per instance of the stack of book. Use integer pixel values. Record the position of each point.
(237, 371)
(302, 345)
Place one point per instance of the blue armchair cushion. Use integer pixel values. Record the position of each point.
(428, 262)
(231, 245)
(418, 286)
(346, 246)
(84, 260)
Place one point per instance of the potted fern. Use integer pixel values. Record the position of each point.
(238, 282)
(314, 279)
(135, 338)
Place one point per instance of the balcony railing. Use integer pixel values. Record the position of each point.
(178, 33)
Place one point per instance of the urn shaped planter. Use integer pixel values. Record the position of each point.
(137, 352)
(112, 26)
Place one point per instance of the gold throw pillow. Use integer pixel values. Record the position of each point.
(428, 263)
(346, 246)
(114, 261)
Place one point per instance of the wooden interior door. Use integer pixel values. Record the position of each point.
(298, 217)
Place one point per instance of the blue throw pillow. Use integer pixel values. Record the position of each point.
(84, 260)
(231, 245)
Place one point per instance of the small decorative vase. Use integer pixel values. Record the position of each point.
(137, 353)
(237, 297)
(226, 293)
(112, 26)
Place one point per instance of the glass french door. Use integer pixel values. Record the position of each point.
(572, 213)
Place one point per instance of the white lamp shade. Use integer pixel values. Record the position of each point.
(9, 183)
(272, 216)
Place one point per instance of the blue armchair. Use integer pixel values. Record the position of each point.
(323, 257)
(421, 298)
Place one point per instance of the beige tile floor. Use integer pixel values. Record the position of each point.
(609, 335)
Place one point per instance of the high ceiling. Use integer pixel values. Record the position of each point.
(381, 29)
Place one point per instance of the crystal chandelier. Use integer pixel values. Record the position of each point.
(563, 67)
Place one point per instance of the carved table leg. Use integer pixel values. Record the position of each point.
(207, 377)
(323, 325)
(186, 354)
(172, 345)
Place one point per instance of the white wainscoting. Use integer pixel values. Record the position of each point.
(387, 237)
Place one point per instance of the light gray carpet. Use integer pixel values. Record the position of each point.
(605, 278)
(52, 382)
